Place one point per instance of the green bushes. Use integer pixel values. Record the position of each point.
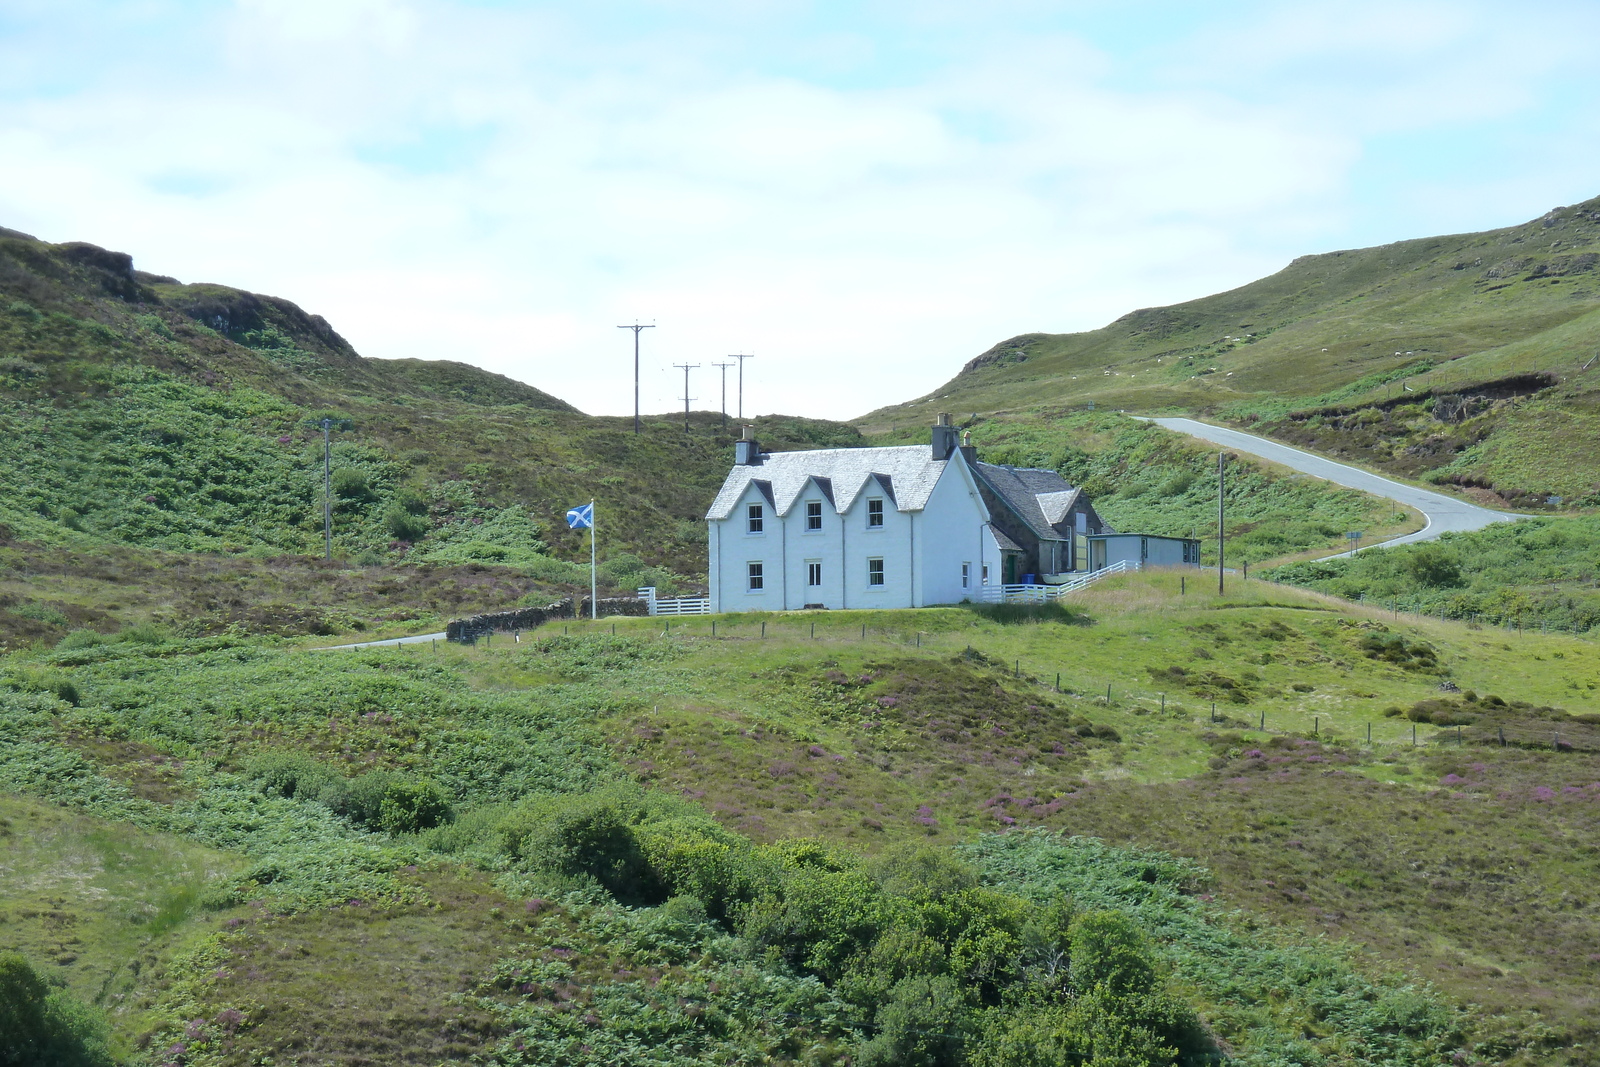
(378, 800)
(45, 1027)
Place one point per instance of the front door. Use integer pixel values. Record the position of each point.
(1097, 555)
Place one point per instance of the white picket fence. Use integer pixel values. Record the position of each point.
(1043, 594)
(680, 605)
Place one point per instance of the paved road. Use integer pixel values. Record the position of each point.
(1444, 513)
(393, 641)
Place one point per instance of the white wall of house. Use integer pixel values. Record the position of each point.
(953, 530)
(922, 552)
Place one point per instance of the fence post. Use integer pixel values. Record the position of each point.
(1163, 695)
(1502, 737)
(1369, 733)
(1413, 735)
(763, 628)
(1058, 681)
(1017, 671)
(1108, 694)
(1316, 726)
(1263, 721)
(813, 631)
(713, 627)
(863, 631)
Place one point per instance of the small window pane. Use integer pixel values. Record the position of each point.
(966, 575)
(813, 574)
(755, 518)
(755, 577)
(874, 513)
(874, 572)
(814, 515)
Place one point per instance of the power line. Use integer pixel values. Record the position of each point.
(741, 359)
(724, 367)
(686, 368)
(636, 327)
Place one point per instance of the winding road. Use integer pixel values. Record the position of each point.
(1444, 513)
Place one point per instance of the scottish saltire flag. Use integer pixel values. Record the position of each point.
(581, 517)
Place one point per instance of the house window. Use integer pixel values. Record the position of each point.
(813, 515)
(966, 576)
(985, 574)
(874, 513)
(875, 572)
(755, 580)
(755, 519)
(814, 572)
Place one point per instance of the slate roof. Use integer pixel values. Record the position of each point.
(1040, 498)
(906, 473)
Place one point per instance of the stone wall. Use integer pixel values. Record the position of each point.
(517, 619)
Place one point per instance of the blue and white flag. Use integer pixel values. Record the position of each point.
(581, 517)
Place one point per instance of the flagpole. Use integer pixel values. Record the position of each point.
(594, 595)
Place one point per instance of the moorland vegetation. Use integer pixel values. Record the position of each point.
(917, 837)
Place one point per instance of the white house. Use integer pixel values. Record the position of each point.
(899, 527)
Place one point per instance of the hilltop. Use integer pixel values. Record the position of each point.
(142, 417)
(1463, 360)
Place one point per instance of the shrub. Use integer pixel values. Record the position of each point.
(350, 484)
(697, 857)
(81, 639)
(292, 774)
(393, 803)
(1109, 953)
(404, 525)
(590, 836)
(924, 1023)
(44, 1026)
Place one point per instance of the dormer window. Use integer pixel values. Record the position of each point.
(755, 519)
(874, 514)
(813, 515)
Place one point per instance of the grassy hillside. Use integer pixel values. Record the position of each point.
(780, 845)
(1456, 358)
(143, 421)
(141, 413)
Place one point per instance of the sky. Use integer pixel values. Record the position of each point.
(861, 195)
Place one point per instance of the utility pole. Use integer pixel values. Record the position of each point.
(1221, 530)
(327, 492)
(686, 368)
(724, 367)
(741, 359)
(636, 327)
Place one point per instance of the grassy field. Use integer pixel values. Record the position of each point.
(221, 837)
(1352, 352)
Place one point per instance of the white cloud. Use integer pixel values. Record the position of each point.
(506, 186)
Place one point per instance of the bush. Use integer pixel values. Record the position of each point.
(292, 774)
(1108, 953)
(350, 484)
(81, 639)
(695, 856)
(392, 803)
(924, 1023)
(44, 1027)
(590, 836)
(403, 525)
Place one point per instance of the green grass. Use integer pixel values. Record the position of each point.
(1344, 329)
(1145, 479)
(1462, 867)
(1538, 574)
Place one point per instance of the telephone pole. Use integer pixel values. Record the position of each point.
(724, 367)
(327, 492)
(636, 327)
(741, 359)
(686, 368)
(1220, 529)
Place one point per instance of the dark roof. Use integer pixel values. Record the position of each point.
(1021, 489)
